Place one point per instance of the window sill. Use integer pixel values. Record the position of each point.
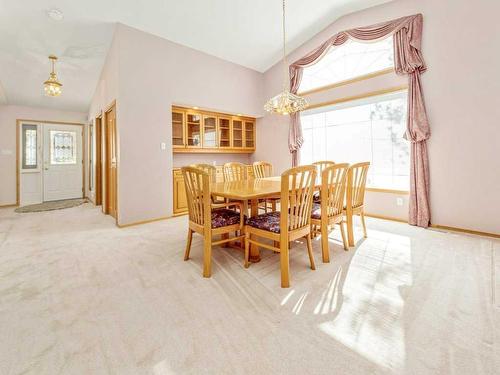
(391, 191)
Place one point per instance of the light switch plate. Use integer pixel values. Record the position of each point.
(399, 201)
(163, 145)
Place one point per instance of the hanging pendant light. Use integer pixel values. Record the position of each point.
(285, 103)
(52, 86)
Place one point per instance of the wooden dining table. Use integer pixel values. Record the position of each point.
(249, 192)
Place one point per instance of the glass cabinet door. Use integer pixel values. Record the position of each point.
(249, 134)
(237, 133)
(209, 131)
(178, 129)
(193, 130)
(224, 132)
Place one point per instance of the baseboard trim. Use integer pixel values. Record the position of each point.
(143, 222)
(463, 230)
(439, 226)
(9, 205)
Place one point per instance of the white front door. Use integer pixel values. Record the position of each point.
(62, 162)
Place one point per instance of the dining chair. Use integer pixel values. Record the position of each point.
(293, 222)
(234, 171)
(263, 169)
(212, 173)
(329, 211)
(355, 197)
(320, 167)
(207, 218)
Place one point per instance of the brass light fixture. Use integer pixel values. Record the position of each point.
(52, 86)
(285, 102)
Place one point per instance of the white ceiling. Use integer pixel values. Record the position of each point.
(246, 32)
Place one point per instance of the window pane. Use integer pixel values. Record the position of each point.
(351, 59)
(29, 133)
(62, 147)
(371, 129)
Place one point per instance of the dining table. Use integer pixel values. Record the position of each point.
(249, 192)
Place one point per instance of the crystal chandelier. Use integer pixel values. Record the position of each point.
(52, 86)
(285, 102)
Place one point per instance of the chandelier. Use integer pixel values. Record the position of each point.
(52, 86)
(285, 102)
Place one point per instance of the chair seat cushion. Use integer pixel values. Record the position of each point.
(316, 210)
(269, 221)
(316, 197)
(222, 217)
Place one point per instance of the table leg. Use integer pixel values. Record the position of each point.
(245, 212)
(254, 249)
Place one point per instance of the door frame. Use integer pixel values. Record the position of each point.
(98, 186)
(19, 123)
(107, 162)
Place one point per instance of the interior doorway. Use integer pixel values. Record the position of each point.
(49, 161)
(98, 160)
(110, 205)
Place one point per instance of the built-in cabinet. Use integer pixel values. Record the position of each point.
(180, 200)
(199, 131)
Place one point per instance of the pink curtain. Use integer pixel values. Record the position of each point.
(407, 35)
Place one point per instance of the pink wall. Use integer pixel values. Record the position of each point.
(461, 91)
(8, 116)
(154, 73)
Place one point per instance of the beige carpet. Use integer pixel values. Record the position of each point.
(50, 206)
(80, 296)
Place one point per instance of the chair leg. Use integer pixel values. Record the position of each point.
(247, 249)
(310, 251)
(324, 244)
(350, 229)
(285, 264)
(362, 215)
(273, 203)
(188, 244)
(342, 232)
(207, 256)
(225, 236)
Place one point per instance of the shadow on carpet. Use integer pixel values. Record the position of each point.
(50, 206)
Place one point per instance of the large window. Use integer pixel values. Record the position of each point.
(350, 60)
(369, 129)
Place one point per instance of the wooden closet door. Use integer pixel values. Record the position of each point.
(111, 162)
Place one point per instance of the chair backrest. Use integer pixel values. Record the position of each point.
(210, 169)
(333, 185)
(356, 184)
(297, 189)
(235, 172)
(197, 184)
(262, 169)
(321, 165)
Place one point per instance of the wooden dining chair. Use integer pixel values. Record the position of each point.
(234, 171)
(329, 211)
(355, 197)
(206, 218)
(293, 222)
(212, 173)
(320, 167)
(263, 169)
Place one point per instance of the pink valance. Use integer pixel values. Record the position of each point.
(407, 36)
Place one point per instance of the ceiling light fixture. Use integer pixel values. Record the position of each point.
(52, 86)
(55, 14)
(285, 102)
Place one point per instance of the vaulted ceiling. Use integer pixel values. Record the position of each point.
(241, 31)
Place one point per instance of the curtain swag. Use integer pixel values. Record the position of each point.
(407, 36)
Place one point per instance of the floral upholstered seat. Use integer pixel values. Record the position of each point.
(269, 221)
(316, 197)
(223, 217)
(316, 210)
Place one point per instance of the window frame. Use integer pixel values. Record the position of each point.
(358, 78)
(360, 97)
(22, 157)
